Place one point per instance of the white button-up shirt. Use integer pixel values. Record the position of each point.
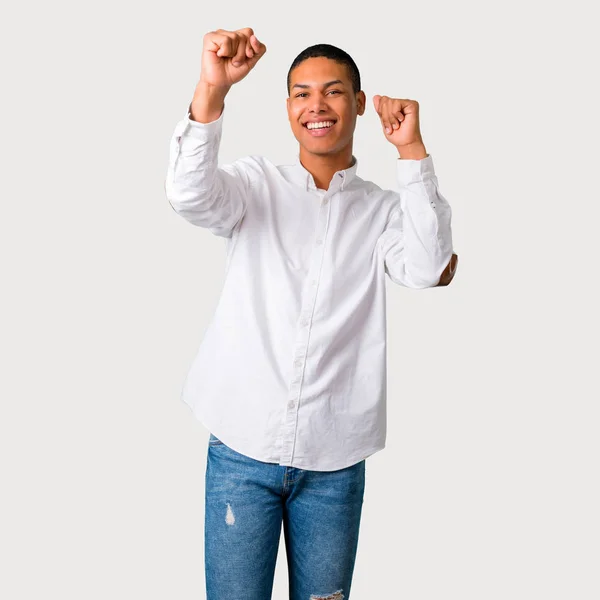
(292, 368)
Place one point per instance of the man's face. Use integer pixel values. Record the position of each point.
(318, 102)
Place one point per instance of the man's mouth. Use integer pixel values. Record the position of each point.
(319, 128)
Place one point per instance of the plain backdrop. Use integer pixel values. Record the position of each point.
(489, 485)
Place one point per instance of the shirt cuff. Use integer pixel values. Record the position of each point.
(413, 171)
(203, 131)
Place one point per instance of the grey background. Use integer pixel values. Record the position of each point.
(488, 487)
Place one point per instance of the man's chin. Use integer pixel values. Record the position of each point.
(319, 149)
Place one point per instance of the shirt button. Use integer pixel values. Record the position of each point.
(313, 282)
(298, 362)
(291, 404)
(304, 323)
(319, 242)
(325, 201)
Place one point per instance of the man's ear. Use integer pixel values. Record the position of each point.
(287, 107)
(361, 101)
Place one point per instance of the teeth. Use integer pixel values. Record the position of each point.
(319, 125)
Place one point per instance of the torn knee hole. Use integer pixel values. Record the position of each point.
(335, 596)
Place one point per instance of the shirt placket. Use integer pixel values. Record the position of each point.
(304, 327)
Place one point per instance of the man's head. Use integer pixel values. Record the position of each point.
(323, 86)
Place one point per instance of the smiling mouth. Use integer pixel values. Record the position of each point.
(305, 125)
(320, 131)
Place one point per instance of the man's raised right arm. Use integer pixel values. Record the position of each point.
(203, 193)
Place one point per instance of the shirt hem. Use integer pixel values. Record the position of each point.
(350, 461)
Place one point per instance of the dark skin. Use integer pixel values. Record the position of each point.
(448, 274)
(312, 98)
(321, 89)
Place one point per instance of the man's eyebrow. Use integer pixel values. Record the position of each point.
(304, 85)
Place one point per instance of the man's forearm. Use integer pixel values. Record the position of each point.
(195, 187)
(208, 102)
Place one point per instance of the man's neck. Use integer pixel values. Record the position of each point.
(324, 167)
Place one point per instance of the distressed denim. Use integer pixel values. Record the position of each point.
(246, 503)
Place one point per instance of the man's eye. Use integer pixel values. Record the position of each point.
(304, 93)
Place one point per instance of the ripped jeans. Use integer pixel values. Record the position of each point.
(246, 502)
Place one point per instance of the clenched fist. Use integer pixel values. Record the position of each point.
(400, 120)
(228, 56)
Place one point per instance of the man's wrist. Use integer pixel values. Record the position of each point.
(414, 151)
(208, 102)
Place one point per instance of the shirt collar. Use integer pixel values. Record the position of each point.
(341, 179)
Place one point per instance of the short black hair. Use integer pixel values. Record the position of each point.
(332, 52)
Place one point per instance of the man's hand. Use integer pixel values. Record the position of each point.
(448, 275)
(228, 56)
(400, 121)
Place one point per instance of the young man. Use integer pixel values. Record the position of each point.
(290, 378)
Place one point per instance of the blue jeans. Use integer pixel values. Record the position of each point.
(246, 502)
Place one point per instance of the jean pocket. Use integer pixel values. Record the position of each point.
(213, 440)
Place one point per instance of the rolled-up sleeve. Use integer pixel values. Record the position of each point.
(417, 241)
(198, 189)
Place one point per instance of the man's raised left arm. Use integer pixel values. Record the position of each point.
(417, 244)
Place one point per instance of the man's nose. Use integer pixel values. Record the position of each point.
(318, 103)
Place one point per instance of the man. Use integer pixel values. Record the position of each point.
(290, 378)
